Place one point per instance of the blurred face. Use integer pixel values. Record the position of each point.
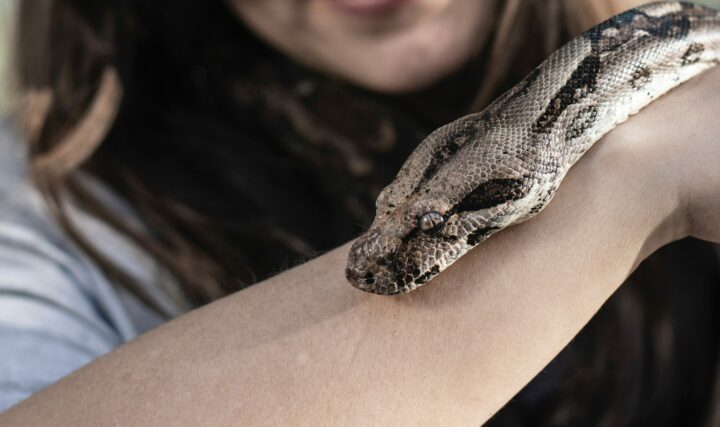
(384, 45)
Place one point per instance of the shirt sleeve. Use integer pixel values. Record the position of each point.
(50, 324)
(58, 310)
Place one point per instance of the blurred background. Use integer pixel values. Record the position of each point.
(6, 21)
(7, 8)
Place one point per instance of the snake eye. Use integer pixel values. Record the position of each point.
(431, 222)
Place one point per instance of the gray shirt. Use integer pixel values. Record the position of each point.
(58, 311)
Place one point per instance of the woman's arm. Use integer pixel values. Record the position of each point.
(304, 348)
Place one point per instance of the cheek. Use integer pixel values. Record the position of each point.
(281, 23)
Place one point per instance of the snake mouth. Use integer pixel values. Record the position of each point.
(384, 290)
(383, 282)
(379, 284)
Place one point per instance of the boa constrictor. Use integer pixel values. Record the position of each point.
(475, 176)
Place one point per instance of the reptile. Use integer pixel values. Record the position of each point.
(486, 171)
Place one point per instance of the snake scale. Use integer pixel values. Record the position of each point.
(483, 172)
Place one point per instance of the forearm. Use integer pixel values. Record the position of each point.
(307, 348)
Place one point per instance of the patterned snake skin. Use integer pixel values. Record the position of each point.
(486, 171)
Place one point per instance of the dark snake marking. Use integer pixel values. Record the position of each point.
(492, 193)
(411, 235)
(444, 152)
(692, 55)
(640, 78)
(527, 83)
(400, 270)
(581, 82)
(583, 121)
(428, 275)
(450, 146)
(670, 26)
(404, 273)
(479, 235)
(584, 79)
(543, 201)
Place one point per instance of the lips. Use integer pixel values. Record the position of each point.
(367, 7)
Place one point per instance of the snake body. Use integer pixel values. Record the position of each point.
(486, 171)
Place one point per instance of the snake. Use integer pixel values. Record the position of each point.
(501, 166)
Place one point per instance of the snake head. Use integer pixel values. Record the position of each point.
(405, 250)
(418, 230)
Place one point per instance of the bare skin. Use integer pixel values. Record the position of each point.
(304, 348)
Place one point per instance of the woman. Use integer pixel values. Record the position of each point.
(186, 150)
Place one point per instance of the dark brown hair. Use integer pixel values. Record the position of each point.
(111, 87)
(240, 163)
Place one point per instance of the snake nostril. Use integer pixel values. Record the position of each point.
(369, 279)
(355, 277)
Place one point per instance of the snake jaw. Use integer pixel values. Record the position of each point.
(369, 265)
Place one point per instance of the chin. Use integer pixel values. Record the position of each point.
(394, 77)
(390, 46)
(405, 64)
(407, 57)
